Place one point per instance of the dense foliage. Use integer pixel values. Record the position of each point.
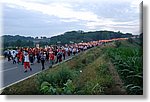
(66, 38)
(128, 61)
(79, 36)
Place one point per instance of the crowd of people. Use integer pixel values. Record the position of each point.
(53, 54)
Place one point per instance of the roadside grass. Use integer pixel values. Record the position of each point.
(95, 78)
(26, 87)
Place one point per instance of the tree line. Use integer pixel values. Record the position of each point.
(66, 38)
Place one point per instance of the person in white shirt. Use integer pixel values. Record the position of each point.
(26, 62)
(43, 57)
(14, 57)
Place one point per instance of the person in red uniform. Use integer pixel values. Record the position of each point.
(21, 58)
(52, 58)
(18, 57)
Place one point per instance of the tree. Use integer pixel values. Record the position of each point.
(18, 43)
(36, 37)
(44, 37)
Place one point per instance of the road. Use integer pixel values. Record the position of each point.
(14, 73)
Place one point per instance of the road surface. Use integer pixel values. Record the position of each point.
(13, 73)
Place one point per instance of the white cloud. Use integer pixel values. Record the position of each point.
(115, 26)
(61, 10)
(69, 20)
(135, 4)
(65, 11)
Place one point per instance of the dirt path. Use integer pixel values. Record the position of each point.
(117, 88)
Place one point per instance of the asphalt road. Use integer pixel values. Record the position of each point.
(13, 73)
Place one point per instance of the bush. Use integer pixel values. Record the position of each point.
(117, 43)
(68, 88)
(63, 75)
(57, 81)
(130, 40)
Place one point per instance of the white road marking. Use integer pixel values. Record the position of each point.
(4, 61)
(8, 69)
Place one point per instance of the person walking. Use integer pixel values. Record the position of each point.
(47, 55)
(64, 53)
(38, 57)
(59, 55)
(26, 62)
(18, 56)
(14, 57)
(31, 57)
(74, 51)
(52, 58)
(43, 57)
(5, 54)
(21, 58)
(9, 55)
(68, 51)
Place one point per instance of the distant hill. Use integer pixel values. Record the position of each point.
(79, 36)
(22, 41)
(67, 37)
(16, 37)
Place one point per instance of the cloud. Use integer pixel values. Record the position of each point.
(72, 15)
(61, 10)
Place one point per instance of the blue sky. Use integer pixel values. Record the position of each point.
(53, 17)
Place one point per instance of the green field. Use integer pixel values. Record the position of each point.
(114, 68)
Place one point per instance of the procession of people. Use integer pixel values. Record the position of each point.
(54, 53)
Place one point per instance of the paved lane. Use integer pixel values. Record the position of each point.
(13, 73)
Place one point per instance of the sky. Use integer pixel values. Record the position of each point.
(53, 17)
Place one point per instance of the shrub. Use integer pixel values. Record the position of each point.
(117, 43)
(130, 40)
(57, 81)
(68, 88)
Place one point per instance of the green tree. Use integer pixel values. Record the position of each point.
(18, 43)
